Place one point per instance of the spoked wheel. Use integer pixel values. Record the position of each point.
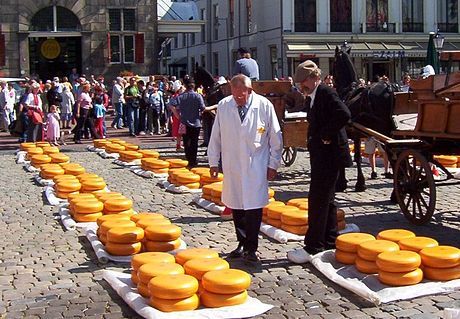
(414, 187)
(289, 155)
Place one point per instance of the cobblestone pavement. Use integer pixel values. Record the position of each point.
(47, 272)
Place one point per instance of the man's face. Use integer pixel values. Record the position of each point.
(308, 85)
(241, 93)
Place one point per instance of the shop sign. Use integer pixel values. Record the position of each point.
(50, 49)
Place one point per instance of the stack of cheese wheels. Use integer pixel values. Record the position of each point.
(73, 198)
(120, 142)
(300, 203)
(144, 258)
(207, 191)
(399, 268)
(185, 255)
(155, 165)
(347, 246)
(51, 150)
(38, 160)
(86, 209)
(64, 177)
(129, 156)
(114, 148)
(105, 196)
(43, 144)
(449, 161)
(187, 179)
(118, 205)
(100, 142)
(160, 236)
(200, 170)
(92, 184)
(172, 173)
(265, 209)
(395, 235)
(73, 169)
(199, 266)
(124, 241)
(274, 214)
(206, 179)
(66, 186)
(34, 151)
(59, 158)
(27, 146)
(341, 224)
(226, 287)
(441, 263)
(111, 223)
(216, 193)
(174, 293)
(150, 270)
(176, 162)
(114, 140)
(131, 147)
(294, 221)
(417, 243)
(149, 154)
(51, 170)
(368, 251)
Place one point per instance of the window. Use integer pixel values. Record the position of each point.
(377, 15)
(305, 15)
(249, 15)
(231, 17)
(203, 29)
(125, 45)
(215, 20)
(128, 46)
(448, 16)
(253, 52)
(274, 61)
(115, 49)
(340, 15)
(55, 18)
(117, 42)
(412, 16)
(215, 63)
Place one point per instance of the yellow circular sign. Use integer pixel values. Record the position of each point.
(50, 49)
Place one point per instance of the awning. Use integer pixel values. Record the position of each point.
(379, 50)
(178, 17)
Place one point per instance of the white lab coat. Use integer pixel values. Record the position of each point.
(247, 149)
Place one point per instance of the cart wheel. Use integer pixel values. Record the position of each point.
(289, 155)
(414, 187)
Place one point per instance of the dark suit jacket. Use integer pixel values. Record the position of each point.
(327, 120)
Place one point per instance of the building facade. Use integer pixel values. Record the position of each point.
(386, 37)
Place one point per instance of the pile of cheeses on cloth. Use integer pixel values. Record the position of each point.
(399, 257)
(194, 277)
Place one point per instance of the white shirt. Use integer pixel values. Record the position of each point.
(247, 148)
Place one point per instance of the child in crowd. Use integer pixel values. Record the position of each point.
(53, 131)
(67, 103)
(99, 114)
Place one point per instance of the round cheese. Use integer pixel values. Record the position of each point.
(398, 261)
(87, 206)
(187, 178)
(74, 169)
(345, 257)
(295, 229)
(395, 234)
(172, 305)
(117, 205)
(122, 249)
(212, 300)
(59, 178)
(192, 253)
(440, 256)
(51, 150)
(160, 170)
(366, 266)
(67, 186)
(417, 243)
(143, 289)
(162, 246)
(105, 218)
(294, 218)
(163, 232)
(154, 269)
(125, 235)
(275, 212)
(274, 222)
(86, 218)
(198, 267)
(154, 163)
(64, 195)
(80, 196)
(134, 277)
(146, 215)
(128, 212)
(369, 250)
(441, 274)
(176, 162)
(272, 204)
(173, 286)
(148, 257)
(227, 281)
(105, 226)
(350, 242)
(59, 158)
(301, 203)
(147, 222)
(401, 278)
(149, 154)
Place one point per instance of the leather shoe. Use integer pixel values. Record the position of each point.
(251, 257)
(299, 256)
(237, 253)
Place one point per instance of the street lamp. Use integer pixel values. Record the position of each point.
(438, 41)
(345, 46)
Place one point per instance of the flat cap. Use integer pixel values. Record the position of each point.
(304, 70)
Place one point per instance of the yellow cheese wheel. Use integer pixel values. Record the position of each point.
(395, 234)
(51, 150)
(200, 170)
(187, 178)
(441, 274)
(84, 218)
(176, 162)
(207, 189)
(143, 289)
(105, 226)
(440, 256)
(86, 176)
(206, 177)
(272, 204)
(366, 266)
(192, 253)
(67, 186)
(207, 197)
(114, 139)
(146, 215)
(149, 154)
(105, 218)
(274, 222)
(216, 190)
(173, 171)
(34, 151)
(192, 185)
(80, 196)
(59, 158)
(275, 212)
(59, 178)
(150, 270)
(147, 222)
(103, 198)
(213, 300)
(369, 250)
(42, 144)
(125, 235)
(128, 212)
(88, 206)
(102, 238)
(107, 194)
(122, 249)
(131, 147)
(163, 232)
(134, 277)
(398, 261)
(94, 184)
(345, 257)
(50, 173)
(350, 242)
(294, 218)
(162, 246)
(27, 145)
(173, 286)
(40, 159)
(171, 305)
(74, 169)
(401, 278)
(227, 281)
(301, 203)
(446, 159)
(155, 163)
(198, 267)
(417, 243)
(64, 195)
(117, 205)
(295, 229)
(149, 257)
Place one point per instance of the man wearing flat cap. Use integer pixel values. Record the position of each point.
(246, 65)
(329, 152)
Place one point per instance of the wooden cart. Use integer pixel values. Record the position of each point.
(295, 129)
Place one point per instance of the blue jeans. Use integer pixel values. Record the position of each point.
(118, 115)
(133, 119)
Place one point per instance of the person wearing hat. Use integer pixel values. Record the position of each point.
(246, 65)
(329, 152)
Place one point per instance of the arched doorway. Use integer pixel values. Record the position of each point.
(54, 42)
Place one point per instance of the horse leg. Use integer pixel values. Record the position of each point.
(360, 182)
(342, 181)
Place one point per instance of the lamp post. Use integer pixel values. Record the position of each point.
(438, 44)
(345, 46)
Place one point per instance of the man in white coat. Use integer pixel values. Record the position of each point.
(247, 137)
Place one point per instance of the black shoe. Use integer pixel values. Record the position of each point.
(388, 175)
(373, 175)
(237, 253)
(251, 257)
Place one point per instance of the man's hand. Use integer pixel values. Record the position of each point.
(214, 171)
(271, 174)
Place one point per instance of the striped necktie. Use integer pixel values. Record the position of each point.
(242, 112)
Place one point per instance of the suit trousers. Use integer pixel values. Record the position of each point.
(322, 211)
(247, 225)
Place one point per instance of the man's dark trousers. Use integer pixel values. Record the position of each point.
(247, 225)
